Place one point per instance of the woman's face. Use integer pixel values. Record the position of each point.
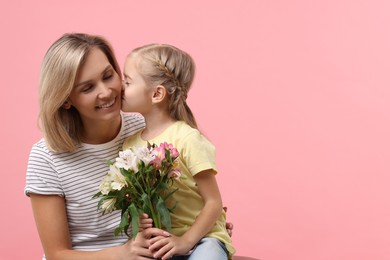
(97, 92)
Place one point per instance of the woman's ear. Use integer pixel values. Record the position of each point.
(159, 94)
(66, 105)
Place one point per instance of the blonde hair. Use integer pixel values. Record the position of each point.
(62, 127)
(166, 65)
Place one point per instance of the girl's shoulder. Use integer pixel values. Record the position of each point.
(181, 128)
(181, 134)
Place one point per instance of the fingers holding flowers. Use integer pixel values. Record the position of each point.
(167, 247)
(138, 247)
(145, 222)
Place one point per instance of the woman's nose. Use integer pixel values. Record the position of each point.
(104, 90)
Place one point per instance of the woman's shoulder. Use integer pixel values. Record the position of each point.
(40, 153)
(133, 121)
(40, 146)
(132, 116)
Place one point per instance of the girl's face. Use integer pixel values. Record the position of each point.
(137, 96)
(97, 92)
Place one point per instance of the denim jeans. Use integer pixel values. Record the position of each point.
(208, 248)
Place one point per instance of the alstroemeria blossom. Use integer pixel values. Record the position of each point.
(109, 205)
(145, 154)
(127, 160)
(118, 181)
(159, 156)
(174, 152)
(175, 173)
(105, 185)
(140, 180)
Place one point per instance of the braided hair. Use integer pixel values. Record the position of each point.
(166, 65)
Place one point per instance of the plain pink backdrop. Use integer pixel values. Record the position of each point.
(295, 95)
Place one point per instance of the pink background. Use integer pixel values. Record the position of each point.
(295, 95)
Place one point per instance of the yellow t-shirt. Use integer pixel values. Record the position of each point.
(196, 154)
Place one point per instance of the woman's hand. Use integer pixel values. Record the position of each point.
(166, 247)
(138, 248)
(229, 225)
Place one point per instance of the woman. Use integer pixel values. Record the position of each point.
(80, 102)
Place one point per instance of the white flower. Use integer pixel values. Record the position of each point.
(144, 154)
(118, 181)
(105, 185)
(127, 160)
(108, 205)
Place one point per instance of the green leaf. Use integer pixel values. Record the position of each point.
(97, 195)
(134, 219)
(124, 223)
(164, 213)
(109, 162)
(169, 194)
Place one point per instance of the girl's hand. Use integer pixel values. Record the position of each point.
(138, 248)
(166, 247)
(145, 222)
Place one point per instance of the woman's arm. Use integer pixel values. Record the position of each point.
(208, 188)
(52, 224)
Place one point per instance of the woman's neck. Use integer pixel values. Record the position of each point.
(156, 123)
(101, 132)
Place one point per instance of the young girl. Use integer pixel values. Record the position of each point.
(157, 79)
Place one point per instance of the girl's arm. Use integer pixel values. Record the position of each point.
(208, 188)
(52, 224)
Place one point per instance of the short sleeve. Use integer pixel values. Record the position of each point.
(198, 153)
(42, 178)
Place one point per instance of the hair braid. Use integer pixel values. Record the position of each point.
(174, 69)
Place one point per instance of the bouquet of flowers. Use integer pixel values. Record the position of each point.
(139, 181)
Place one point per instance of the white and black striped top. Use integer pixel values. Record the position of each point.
(76, 176)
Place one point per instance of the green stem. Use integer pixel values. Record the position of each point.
(139, 185)
(155, 216)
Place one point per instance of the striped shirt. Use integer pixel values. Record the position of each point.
(76, 177)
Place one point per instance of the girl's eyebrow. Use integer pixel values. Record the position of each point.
(88, 81)
(126, 76)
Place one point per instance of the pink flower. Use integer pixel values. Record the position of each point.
(175, 173)
(174, 152)
(165, 145)
(137, 176)
(159, 153)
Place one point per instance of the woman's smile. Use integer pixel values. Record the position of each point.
(107, 105)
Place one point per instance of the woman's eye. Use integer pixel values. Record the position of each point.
(86, 88)
(107, 77)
